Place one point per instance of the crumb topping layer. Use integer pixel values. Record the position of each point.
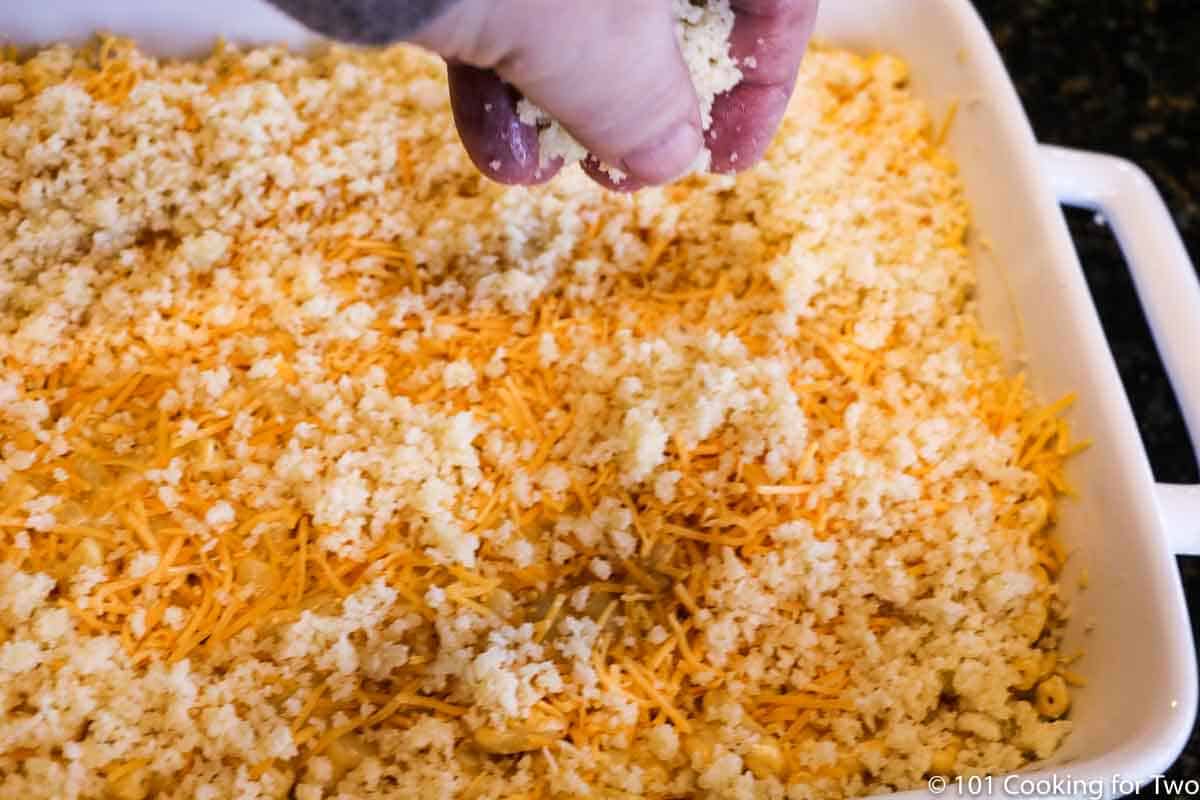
(329, 469)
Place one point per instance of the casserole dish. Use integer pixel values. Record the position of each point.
(1135, 714)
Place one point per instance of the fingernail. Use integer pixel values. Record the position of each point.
(666, 158)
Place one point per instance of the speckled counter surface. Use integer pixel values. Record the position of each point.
(1121, 76)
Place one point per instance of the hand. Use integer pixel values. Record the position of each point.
(610, 71)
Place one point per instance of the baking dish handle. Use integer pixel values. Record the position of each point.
(1166, 284)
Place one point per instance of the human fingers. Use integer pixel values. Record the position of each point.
(768, 42)
(485, 113)
(609, 71)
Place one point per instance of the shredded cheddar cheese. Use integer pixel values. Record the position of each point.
(330, 469)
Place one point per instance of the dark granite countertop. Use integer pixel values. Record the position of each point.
(1121, 76)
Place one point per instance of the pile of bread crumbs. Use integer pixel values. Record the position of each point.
(331, 469)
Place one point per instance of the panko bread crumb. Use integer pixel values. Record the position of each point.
(332, 470)
(702, 29)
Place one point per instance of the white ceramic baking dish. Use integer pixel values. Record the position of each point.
(1135, 714)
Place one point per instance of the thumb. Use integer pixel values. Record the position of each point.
(609, 71)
